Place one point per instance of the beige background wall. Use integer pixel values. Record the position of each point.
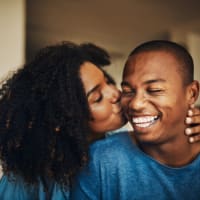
(118, 26)
(194, 47)
(12, 36)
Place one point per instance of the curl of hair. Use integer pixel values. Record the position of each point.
(44, 115)
(98, 56)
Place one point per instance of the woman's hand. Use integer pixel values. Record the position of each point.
(193, 120)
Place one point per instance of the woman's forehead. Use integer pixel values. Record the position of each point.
(90, 75)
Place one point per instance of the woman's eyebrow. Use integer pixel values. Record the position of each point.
(92, 90)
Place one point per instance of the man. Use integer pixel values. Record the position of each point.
(158, 89)
(156, 162)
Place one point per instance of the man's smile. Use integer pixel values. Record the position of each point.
(144, 121)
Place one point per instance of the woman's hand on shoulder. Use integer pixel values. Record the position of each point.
(193, 122)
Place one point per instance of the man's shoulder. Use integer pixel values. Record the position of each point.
(117, 145)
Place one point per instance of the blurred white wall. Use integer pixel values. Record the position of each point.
(12, 35)
(194, 48)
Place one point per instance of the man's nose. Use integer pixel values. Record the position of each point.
(138, 101)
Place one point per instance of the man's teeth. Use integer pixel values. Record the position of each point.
(144, 125)
(144, 121)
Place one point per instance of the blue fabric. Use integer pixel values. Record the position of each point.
(16, 189)
(119, 170)
(110, 133)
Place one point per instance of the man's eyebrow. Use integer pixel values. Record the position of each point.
(92, 90)
(124, 83)
(154, 81)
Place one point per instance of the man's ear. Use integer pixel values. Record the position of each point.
(193, 92)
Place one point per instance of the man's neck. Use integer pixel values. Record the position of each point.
(176, 153)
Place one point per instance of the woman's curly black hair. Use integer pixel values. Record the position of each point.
(44, 115)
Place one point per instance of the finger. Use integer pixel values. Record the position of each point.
(193, 130)
(192, 105)
(195, 138)
(193, 120)
(193, 111)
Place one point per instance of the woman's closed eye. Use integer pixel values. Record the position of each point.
(98, 99)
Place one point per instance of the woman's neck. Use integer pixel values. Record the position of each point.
(92, 137)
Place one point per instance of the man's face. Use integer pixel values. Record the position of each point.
(154, 97)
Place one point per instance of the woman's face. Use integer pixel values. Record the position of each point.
(103, 99)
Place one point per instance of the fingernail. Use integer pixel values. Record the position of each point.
(188, 131)
(191, 139)
(192, 106)
(188, 120)
(190, 112)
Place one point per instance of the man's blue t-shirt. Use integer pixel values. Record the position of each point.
(119, 170)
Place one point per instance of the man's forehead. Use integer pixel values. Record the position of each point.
(144, 78)
(151, 60)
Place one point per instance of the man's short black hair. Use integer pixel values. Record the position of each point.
(182, 56)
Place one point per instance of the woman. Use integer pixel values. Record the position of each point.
(50, 110)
